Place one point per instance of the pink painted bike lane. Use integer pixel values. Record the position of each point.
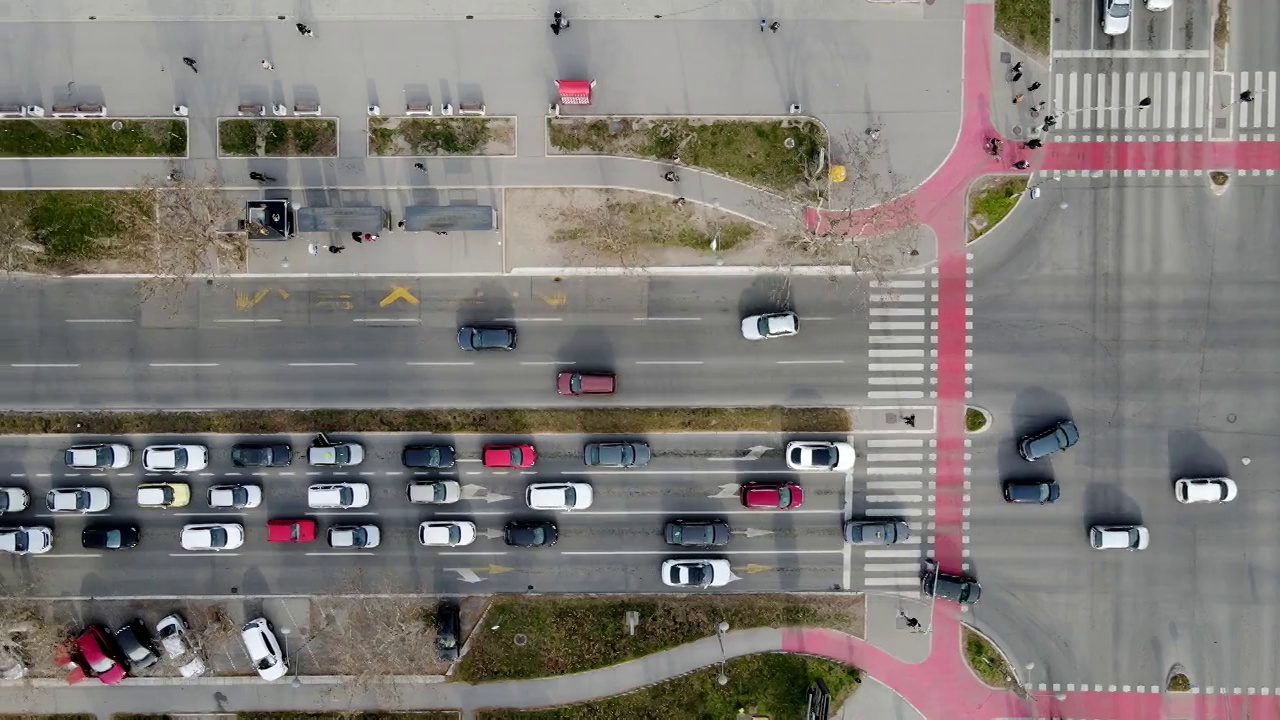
(1085, 156)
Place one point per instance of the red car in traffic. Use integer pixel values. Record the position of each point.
(99, 654)
(772, 495)
(291, 531)
(578, 383)
(509, 456)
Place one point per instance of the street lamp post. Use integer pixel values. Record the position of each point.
(722, 627)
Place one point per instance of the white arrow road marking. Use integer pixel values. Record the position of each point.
(466, 575)
(753, 453)
(727, 490)
(495, 497)
(491, 534)
(471, 492)
(751, 532)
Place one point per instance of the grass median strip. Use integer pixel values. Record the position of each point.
(991, 201)
(282, 137)
(93, 138)
(986, 661)
(499, 421)
(1025, 23)
(545, 636)
(771, 685)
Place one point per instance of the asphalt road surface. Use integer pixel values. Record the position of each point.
(613, 546)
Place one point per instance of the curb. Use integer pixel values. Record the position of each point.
(59, 683)
(968, 202)
(1013, 672)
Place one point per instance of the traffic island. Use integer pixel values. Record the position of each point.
(1178, 680)
(991, 200)
(278, 137)
(442, 137)
(93, 137)
(976, 420)
(1218, 181)
(986, 661)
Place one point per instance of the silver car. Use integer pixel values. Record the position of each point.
(1115, 17)
(876, 532)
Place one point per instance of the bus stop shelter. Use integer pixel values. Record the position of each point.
(446, 218)
(342, 219)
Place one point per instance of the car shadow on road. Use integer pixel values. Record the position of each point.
(1034, 409)
(1191, 456)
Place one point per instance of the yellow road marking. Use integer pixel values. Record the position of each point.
(399, 293)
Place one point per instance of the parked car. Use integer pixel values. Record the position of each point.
(448, 631)
(429, 456)
(435, 492)
(1115, 16)
(136, 644)
(100, 655)
(580, 383)
(772, 495)
(164, 494)
(78, 500)
(446, 533)
(1055, 439)
(509, 456)
(212, 536)
(950, 587)
(175, 640)
(260, 642)
(696, 533)
(1205, 490)
(262, 455)
(341, 496)
(770, 325)
(301, 530)
(820, 455)
(102, 456)
(1031, 491)
(34, 540)
(110, 537)
(616, 454)
(696, 573)
(235, 497)
(530, 533)
(175, 458)
(361, 537)
(876, 532)
(558, 496)
(343, 454)
(14, 499)
(480, 338)
(1119, 537)
(1159, 5)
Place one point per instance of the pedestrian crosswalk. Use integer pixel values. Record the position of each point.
(898, 343)
(1180, 100)
(895, 473)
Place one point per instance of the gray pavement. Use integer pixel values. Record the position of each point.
(875, 701)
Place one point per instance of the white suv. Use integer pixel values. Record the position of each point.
(175, 458)
(260, 642)
(558, 496)
(340, 496)
(95, 457)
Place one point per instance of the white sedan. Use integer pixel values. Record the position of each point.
(14, 499)
(235, 497)
(770, 325)
(111, 456)
(24, 540)
(1205, 490)
(354, 536)
(1115, 17)
(78, 500)
(174, 633)
(558, 496)
(338, 496)
(447, 533)
(697, 573)
(212, 536)
(820, 455)
(264, 651)
(175, 458)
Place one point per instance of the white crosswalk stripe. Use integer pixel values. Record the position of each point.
(1180, 100)
(895, 485)
(898, 310)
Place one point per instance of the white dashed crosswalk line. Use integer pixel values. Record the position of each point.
(893, 473)
(1092, 102)
(898, 309)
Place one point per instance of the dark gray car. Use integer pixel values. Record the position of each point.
(696, 533)
(876, 532)
(1031, 491)
(950, 587)
(135, 642)
(472, 337)
(429, 456)
(1056, 439)
(273, 455)
(624, 454)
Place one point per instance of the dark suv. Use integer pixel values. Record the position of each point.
(1056, 439)
(471, 337)
(950, 587)
(272, 455)
(429, 456)
(1031, 491)
(135, 642)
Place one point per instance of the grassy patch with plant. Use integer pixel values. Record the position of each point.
(992, 203)
(441, 136)
(278, 137)
(753, 151)
(68, 230)
(974, 420)
(773, 685)
(93, 138)
(618, 225)
(1178, 682)
(497, 421)
(1025, 23)
(1222, 24)
(54, 716)
(986, 661)
(565, 635)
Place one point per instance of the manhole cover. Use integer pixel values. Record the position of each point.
(789, 143)
(1017, 130)
(1005, 57)
(1231, 418)
(520, 640)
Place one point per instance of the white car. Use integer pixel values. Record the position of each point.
(1119, 537)
(449, 533)
(260, 642)
(1115, 17)
(108, 456)
(770, 325)
(1204, 490)
(14, 499)
(78, 500)
(212, 536)
(175, 458)
(435, 492)
(338, 496)
(558, 496)
(173, 631)
(336, 454)
(820, 455)
(24, 540)
(164, 495)
(235, 497)
(354, 536)
(1159, 5)
(696, 573)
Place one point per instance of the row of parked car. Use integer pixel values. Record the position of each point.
(111, 656)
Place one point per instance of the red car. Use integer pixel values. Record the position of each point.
(95, 647)
(291, 531)
(772, 495)
(577, 383)
(509, 456)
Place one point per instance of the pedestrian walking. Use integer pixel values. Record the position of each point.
(670, 176)
(1246, 96)
(1017, 67)
(873, 133)
(420, 167)
(763, 24)
(261, 177)
(305, 31)
(356, 236)
(1032, 144)
(555, 29)
(335, 249)
(1033, 86)
(266, 65)
(679, 202)
(400, 224)
(1021, 165)
(1048, 123)
(441, 232)
(1019, 98)
(1016, 77)
(191, 63)
(774, 25)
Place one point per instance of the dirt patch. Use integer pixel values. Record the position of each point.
(370, 637)
(442, 137)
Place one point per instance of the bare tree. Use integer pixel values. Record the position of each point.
(601, 230)
(371, 640)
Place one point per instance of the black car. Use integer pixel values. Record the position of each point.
(696, 533)
(950, 587)
(531, 533)
(1055, 439)
(448, 631)
(1030, 491)
(429, 456)
(110, 537)
(135, 642)
(273, 455)
(472, 337)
